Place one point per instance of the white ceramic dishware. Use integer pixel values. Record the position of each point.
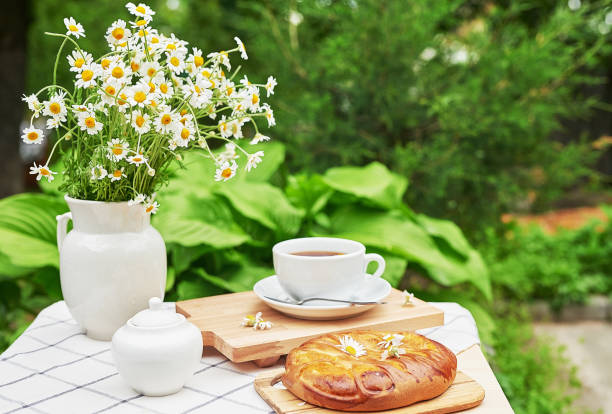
(373, 290)
(157, 350)
(336, 276)
(111, 263)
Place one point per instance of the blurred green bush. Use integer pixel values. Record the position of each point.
(460, 97)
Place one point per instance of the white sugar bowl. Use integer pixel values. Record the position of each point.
(157, 350)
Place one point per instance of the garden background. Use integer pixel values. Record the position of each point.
(413, 127)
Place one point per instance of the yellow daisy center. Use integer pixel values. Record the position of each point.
(185, 133)
(32, 136)
(86, 75)
(163, 87)
(183, 112)
(55, 108)
(254, 99)
(170, 46)
(198, 61)
(151, 72)
(118, 33)
(141, 22)
(350, 350)
(140, 96)
(44, 171)
(206, 73)
(105, 63)
(117, 149)
(90, 122)
(123, 99)
(110, 90)
(197, 89)
(154, 40)
(117, 72)
(151, 87)
(117, 173)
(149, 208)
(229, 91)
(73, 28)
(174, 61)
(226, 173)
(134, 65)
(137, 159)
(140, 121)
(79, 62)
(166, 119)
(140, 9)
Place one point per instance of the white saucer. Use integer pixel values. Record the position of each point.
(374, 289)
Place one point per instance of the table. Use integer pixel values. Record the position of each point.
(53, 368)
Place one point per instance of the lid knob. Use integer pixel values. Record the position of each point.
(156, 303)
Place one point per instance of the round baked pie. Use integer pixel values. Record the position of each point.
(369, 370)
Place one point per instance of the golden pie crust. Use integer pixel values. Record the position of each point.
(320, 373)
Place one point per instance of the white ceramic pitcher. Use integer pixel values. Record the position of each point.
(111, 263)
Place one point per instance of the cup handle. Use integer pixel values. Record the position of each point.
(373, 257)
(62, 226)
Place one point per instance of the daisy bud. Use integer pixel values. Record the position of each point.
(178, 157)
(151, 172)
(68, 137)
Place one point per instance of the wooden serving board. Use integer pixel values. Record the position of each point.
(464, 393)
(219, 318)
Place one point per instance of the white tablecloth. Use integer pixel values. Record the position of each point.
(54, 368)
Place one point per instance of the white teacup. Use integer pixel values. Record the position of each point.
(333, 276)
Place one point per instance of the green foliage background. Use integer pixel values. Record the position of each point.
(379, 137)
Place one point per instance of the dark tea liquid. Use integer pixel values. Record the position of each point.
(317, 253)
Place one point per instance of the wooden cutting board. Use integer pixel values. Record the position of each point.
(464, 393)
(219, 318)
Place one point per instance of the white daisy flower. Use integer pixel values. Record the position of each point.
(137, 159)
(351, 346)
(229, 88)
(164, 88)
(269, 115)
(32, 135)
(263, 325)
(117, 175)
(34, 104)
(165, 122)
(229, 153)
(139, 95)
(175, 63)
(241, 48)
(117, 35)
(55, 107)
(199, 95)
(139, 199)
(108, 91)
(270, 84)
(119, 71)
(77, 59)
(42, 171)
(253, 160)
(235, 127)
(52, 123)
(408, 299)
(245, 81)
(142, 10)
(151, 172)
(226, 171)
(117, 149)
(75, 29)
(220, 58)
(389, 340)
(183, 135)
(251, 320)
(149, 69)
(87, 122)
(175, 45)
(87, 76)
(172, 144)
(259, 138)
(141, 122)
(98, 173)
(196, 57)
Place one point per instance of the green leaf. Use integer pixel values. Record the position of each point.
(274, 156)
(393, 232)
(308, 192)
(239, 273)
(192, 289)
(446, 230)
(28, 231)
(264, 204)
(192, 221)
(373, 182)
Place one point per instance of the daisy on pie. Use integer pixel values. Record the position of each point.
(117, 149)
(391, 345)
(42, 171)
(241, 48)
(141, 122)
(55, 107)
(88, 122)
(351, 346)
(75, 29)
(226, 171)
(259, 138)
(253, 160)
(87, 76)
(137, 159)
(98, 173)
(32, 135)
(117, 175)
(77, 59)
(270, 84)
(165, 122)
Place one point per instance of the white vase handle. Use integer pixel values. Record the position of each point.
(62, 226)
(373, 257)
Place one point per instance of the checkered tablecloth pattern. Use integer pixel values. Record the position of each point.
(54, 368)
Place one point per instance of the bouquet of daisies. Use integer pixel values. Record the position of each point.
(134, 110)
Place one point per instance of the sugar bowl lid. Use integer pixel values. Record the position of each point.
(157, 316)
